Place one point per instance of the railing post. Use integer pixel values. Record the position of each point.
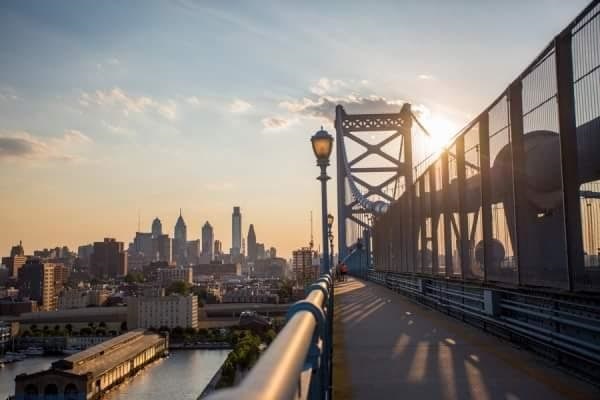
(486, 204)
(568, 154)
(515, 109)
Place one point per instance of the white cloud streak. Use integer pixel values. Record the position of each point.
(117, 97)
(239, 106)
(25, 146)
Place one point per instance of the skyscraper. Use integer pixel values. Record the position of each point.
(207, 240)
(163, 248)
(236, 232)
(109, 259)
(156, 228)
(218, 250)
(143, 245)
(179, 241)
(15, 261)
(251, 243)
(36, 281)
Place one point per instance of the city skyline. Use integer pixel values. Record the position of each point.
(90, 136)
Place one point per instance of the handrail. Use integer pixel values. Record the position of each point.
(277, 374)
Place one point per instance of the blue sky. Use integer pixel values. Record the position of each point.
(107, 108)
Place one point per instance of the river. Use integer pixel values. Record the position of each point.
(183, 375)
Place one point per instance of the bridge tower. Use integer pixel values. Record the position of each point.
(370, 181)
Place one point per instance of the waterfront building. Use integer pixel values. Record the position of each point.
(37, 282)
(79, 298)
(92, 372)
(208, 237)
(158, 311)
(17, 306)
(236, 233)
(166, 276)
(108, 260)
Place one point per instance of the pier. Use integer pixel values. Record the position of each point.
(88, 374)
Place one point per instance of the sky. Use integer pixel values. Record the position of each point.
(116, 112)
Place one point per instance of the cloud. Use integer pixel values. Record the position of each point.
(24, 146)
(7, 94)
(425, 77)
(118, 130)
(117, 97)
(324, 106)
(239, 106)
(193, 100)
(276, 123)
(326, 85)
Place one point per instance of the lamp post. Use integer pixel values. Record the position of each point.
(322, 144)
(329, 227)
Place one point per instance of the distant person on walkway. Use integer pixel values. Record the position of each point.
(344, 271)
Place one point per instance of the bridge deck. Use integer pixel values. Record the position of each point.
(386, 347)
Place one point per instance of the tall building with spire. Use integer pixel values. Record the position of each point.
(156, 228)
(236, 232)
(251, 243)
(180, 241)
(208, 237)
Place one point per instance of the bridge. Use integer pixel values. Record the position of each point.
(475, 268)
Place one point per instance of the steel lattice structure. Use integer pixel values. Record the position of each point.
(367, 198)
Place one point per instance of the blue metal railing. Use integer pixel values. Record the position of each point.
(297, 365)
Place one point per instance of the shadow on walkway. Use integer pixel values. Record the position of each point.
(386, 347)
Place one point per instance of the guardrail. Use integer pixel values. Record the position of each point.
(563, 327)
(297, 364)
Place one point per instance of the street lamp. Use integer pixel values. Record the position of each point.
(322, 144)
(329, 226)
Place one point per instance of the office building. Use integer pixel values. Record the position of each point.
(236, 232)
(252, 256)
(193, 251)
(108, 260)
(166, 276)
(143, 245)
(14, 264)
(162, 245)
(303, 266)
(208, 238)
(84, 253)
(273, 252)
(158, 311)
(156, 228)
(218, 271)
(218, 253)
(260, 251)
(80, 298)
(37, 282)
(269, 268)
(180, 241)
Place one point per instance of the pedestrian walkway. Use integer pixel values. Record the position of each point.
(387, 347)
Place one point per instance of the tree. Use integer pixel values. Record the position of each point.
(124, 326)
(179, 287)
(102, 324)
(69, 328)
(133, 277)
(177, 331)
